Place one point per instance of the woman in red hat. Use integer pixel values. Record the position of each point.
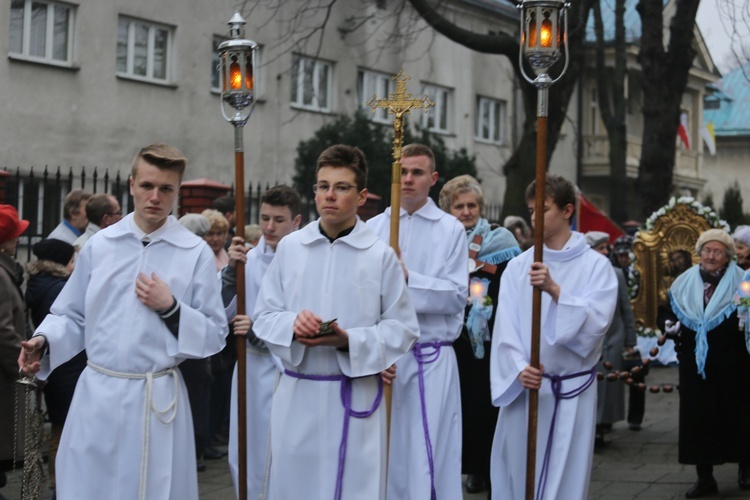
(12, 328)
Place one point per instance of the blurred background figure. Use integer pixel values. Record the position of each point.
(196, 372)
(490, 249)
(223, 362)
(12, 332)
(253, 232)
(521, 230)
(47, 277)
(102, 210)
(741, 239)
(619, 339)
(74, 217)
(714, 364)
(216, 236)
(226, 207)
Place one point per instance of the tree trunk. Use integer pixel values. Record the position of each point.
(665, 76)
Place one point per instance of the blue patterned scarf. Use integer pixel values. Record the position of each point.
(498, 246)
(686, 297)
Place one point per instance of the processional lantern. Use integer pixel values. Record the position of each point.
(237, 60)
(544, 32)
(237, 63)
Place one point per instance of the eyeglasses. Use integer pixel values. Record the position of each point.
(707, 252)
(340, 188)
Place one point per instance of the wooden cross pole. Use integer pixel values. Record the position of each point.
(399, 103)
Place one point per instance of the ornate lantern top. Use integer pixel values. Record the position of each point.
(237, 70)
(544, 27)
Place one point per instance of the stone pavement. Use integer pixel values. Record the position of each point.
(632, 465)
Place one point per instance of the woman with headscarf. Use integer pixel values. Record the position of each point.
(12, 331)
(490, 249)
(714, 364)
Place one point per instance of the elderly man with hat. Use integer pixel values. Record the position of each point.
(610, 407)
(714, 364)
(12, 328)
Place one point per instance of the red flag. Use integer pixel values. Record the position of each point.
(590, 218)
(682, 130)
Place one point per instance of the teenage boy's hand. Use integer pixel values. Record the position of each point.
(530, 377)
(338, 338)
(237, 251)
(241, 324)
(153, 292)
(540, 278)
(306, 324)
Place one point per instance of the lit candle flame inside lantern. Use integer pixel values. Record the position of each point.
(546, 33)
(744, 289)
(477, 290)
(235, 76)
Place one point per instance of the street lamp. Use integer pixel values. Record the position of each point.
(237, 69)
(541, 41)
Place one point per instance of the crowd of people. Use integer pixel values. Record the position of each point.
(128, 318)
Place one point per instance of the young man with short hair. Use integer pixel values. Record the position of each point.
(279, 217)
(335, 309)
(580, 294)
(425, 447)
(143, 297)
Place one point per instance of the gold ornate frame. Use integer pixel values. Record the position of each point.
(676, 230)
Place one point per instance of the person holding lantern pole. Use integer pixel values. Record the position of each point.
(425, 446)
(335, 309)
(578, 302)
(279, 217)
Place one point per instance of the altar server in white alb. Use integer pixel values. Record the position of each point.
(279, 216)
(143, 297)
(425, 452)
(335, 309)
(578, 301)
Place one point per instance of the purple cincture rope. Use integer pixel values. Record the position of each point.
(346, 400)
(557, 381)
(424, 359)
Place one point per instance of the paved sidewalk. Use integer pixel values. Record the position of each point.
(632, 465)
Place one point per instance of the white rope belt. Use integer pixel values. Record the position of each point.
(165, 416)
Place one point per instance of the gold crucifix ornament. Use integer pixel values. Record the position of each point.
(399, 103)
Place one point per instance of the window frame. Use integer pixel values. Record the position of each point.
(431, 90)
(130, 56)
(364, 95)
(297, 69)
(496, 106)
(49, 48)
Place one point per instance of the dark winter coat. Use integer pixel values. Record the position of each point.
(46, 281)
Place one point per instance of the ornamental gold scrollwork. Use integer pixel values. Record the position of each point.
(662, 253)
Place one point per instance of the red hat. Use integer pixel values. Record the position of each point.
(10, 225)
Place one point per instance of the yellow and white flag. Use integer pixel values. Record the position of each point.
(709, 137)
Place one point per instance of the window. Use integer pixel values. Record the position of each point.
(380, 85)
(216, 76)
(143, 50)
(438, 117)
(311, 84)
(490, 120)
(42, 31)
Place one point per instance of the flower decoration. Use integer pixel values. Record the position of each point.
(705, 212)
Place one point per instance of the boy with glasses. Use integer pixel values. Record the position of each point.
(334, 308)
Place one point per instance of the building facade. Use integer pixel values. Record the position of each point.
(86, 84)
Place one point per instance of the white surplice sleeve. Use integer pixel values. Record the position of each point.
(446, 292)
(203, 324)
(374, 348)
(508, 356)
(274, 323)
(581, 317)
(64, 326)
